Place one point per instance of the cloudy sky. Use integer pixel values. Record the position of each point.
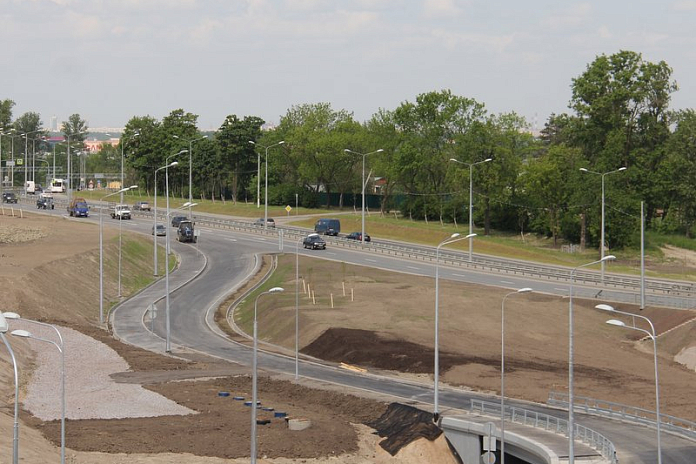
(110, 60)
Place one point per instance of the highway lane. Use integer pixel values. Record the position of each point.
(231, 256)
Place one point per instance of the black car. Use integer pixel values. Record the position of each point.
(45, 203)
(357, 236)
(9, 197)
(176, 220)
(314, 241)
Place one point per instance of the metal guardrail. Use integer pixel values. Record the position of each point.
(676, 294)
(553, 424)
(675, 425)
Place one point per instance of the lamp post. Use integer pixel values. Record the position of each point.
(2, 179)
(15, 432)
(26, 153)
(451, 239)
(168, 344)
(154, 225)
(265, 202)
(61, 349)
(297, 307)
(471, 198)
(69, 188)
(190, 152)
(101, 250)
(653, 336)
(364, 155)
(502, 371)
(255, 373)
(601, 240)
(571, 416)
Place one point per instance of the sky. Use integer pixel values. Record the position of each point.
(111, 60)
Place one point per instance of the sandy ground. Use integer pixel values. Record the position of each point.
(44, 263)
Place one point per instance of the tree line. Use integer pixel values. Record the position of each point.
(548, 183)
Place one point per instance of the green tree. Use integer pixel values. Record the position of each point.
(235, 151)
(680, 174)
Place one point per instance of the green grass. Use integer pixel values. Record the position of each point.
(391, 227)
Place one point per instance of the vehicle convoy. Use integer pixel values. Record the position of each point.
(185, 232)
(121, 212)
(328, 227)
(314, 241)
(78, 208)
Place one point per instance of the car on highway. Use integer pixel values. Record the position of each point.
(159, 229)
(45, 202)
(269, 223)
(328, 227)
(314, 241)
(121, 212)
(9, 197)
(142, 206)
(357, 236)
(176, 220)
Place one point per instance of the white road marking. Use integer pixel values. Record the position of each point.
(460, 275)
(370, 260)
(506, 282)
(413, 267)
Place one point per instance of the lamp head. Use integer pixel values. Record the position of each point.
(252, 142)
(455, 160)
(173, 163)
(487, 160)
(4, 326)
(455, 235)
(470, 236)
(276, 290)
(608, 258)
(379, 151)
(185, 150)
(605, 307)
(21, 333)
(10, 315)
(133, 187)
(281, 142)
(525, 290)
(623, 168)
(583, 169)
(616, 323)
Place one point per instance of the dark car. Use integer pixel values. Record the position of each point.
(328, 227)
(176, 220)
(357, 236)
(45, 203)
(185, 232)
(270, 222)
(159, 229)
(9, 197)
(314, 241)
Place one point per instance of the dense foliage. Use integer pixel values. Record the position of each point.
(437, 151)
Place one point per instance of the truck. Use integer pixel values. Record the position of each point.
(31, 187)
(78, 208)
(121, 212)
(57, 186)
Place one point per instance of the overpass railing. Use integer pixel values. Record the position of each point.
(549, 423)
(681, 427)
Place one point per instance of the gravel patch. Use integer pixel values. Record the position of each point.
(90, 392)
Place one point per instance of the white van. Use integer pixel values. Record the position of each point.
(30, 187)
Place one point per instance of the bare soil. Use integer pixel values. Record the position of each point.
(386, 326)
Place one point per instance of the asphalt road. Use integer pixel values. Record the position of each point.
(225, 259)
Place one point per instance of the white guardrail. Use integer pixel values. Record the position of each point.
(553, 424)
(659, 292)
(675, 425)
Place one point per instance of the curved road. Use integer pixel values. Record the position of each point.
(223, 260)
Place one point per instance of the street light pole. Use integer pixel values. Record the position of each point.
(451, 239)
(101, 251)
(190, 152)
(601, 240)
(255, 373)
(364, 155)
(502, 371)
(15, 432)
(69, 188)
(471, 198)
(571, 398)
(61, 349)
(26, 153)
(653, 336)
(154, 224)
(265, 211)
